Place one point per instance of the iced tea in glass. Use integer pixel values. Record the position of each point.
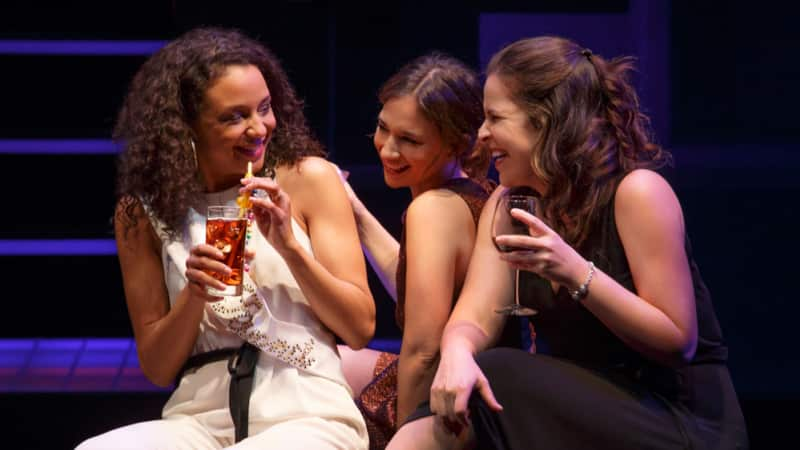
(226, 231)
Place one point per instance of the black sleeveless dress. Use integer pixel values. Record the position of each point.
(586, 389)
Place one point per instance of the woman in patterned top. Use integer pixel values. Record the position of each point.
(425, 138)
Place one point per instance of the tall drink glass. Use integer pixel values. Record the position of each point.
(226, 231)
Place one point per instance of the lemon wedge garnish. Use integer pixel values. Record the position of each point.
(244, 200)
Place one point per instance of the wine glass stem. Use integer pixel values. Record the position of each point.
(516, 288)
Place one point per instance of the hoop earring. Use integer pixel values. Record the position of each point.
(194, 153)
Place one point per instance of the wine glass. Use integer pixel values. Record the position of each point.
(504, 223)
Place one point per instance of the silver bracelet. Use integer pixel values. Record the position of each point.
(583, 290)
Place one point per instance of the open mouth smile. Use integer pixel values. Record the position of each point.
(251, 152)
(499, 156)
(395, 171)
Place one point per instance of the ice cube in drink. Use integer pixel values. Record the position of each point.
(227, 234)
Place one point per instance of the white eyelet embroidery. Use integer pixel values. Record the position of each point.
(238, 314)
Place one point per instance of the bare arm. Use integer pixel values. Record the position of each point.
(164, 336)
(660, 322)
(380, 247)
(439, 237)
(473, 325)
(489, 284)
(334, 278)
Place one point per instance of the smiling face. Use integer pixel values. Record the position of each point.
(509, 135)
(411, 149)
(234, 126)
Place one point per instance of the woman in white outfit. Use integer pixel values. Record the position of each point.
(260, 370)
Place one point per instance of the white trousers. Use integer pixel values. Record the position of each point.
(187, 433)
(289, 409)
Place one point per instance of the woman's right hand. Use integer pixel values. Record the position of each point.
(205, 258)
(458, 374)
(355, 202)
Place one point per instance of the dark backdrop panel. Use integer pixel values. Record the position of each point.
(63, 96)
(734, 70)
(63, 296)
(57, 196)
(88, 19)
(739, 237)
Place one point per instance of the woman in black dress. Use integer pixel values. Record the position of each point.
(630, 351)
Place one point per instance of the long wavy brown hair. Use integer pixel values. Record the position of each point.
(592, 131)
(449, 95)
(166, 95)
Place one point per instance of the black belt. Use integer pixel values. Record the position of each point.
(241, 365)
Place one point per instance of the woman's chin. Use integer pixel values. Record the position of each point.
(258, 165)
(392, 181)
(507, 179)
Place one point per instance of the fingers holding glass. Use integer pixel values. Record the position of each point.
(204, 268)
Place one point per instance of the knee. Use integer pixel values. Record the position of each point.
(426, 433)
(112, 439)
(497, 360)
(93, 443)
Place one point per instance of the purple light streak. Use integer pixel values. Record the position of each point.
(61, 247)
(108, 48)
(57, 146)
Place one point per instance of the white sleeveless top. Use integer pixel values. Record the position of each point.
(299, 371)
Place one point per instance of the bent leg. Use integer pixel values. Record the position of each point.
(554, 404)
(179, 434)
(307, 432)
(358, 367)
(427, 433)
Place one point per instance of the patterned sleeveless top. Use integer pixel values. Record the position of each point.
(475, 193)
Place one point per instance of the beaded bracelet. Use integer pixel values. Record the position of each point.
(580, 293)
(247, 236)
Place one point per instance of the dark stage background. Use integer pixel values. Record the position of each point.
(718, 79)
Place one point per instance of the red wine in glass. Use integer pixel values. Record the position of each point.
(504, 223)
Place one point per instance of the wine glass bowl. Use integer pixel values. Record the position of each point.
(504, 223)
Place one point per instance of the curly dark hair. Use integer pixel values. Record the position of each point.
(157, 165)
(449, 95)
(593, 132)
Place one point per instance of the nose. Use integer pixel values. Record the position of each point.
(387, 148)
(483, 132)
(256, 130)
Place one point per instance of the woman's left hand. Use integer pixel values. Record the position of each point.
(272, 213)
(547, 254)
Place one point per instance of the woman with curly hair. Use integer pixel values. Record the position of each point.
(260, 370)
(425, 138)
(630, 351)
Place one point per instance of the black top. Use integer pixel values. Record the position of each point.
(566, 329)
